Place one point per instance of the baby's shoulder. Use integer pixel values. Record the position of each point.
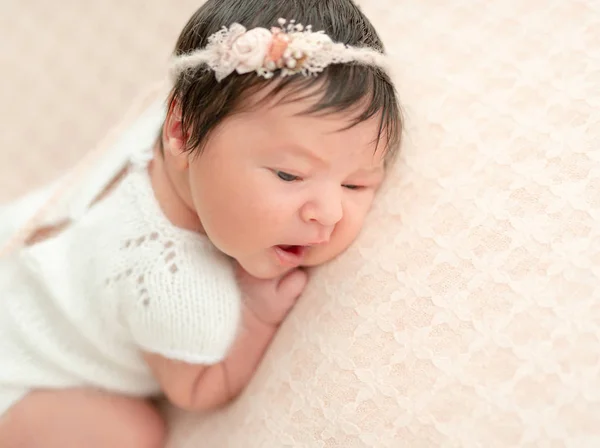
(187, 304)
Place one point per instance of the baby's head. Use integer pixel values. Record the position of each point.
(281, 170)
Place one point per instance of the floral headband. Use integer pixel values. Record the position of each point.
(290, 49)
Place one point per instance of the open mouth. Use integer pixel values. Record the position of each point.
(294, 250)
(290, 255)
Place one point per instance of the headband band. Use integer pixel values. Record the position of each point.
(290, 49)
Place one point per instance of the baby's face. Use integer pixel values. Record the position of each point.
(276, 189)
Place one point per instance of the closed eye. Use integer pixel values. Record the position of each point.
(286, 177)
(353, 187)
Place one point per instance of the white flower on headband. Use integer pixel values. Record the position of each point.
(250, 50)
(291, 50)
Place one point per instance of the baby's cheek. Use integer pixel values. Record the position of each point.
(346, 232)
(342, 237)
(323, 254)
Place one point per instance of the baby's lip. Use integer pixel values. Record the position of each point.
(290, 255)
(306, 244)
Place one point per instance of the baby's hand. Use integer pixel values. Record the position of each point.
(271, 300)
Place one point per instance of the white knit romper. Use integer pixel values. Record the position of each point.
(78, 309)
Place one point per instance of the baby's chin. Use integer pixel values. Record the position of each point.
(263, 271)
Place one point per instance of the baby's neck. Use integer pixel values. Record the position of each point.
(169, 197)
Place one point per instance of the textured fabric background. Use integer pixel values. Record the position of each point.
(468, 313)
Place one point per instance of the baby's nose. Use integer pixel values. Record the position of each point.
(326, 209)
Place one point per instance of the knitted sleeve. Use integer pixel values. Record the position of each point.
(187, 306)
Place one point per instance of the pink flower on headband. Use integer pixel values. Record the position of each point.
(278, 46)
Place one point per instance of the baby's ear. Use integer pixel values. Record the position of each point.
(174, 137)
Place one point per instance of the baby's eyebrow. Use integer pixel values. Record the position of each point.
(372, 170)
(308, 154)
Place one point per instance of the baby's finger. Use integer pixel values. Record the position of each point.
(292, 284)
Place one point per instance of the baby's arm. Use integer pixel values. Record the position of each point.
(201, 387)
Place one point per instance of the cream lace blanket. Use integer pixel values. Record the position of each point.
(468, 314)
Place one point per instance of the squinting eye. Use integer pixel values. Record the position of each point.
(286, 177)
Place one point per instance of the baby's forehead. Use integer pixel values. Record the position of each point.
(294, 117)
(316, 147)
(304, 112)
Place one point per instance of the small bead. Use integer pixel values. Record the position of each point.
(291, 63)
(271, 65)
(281, 21)
(299, 27)
(298, 54)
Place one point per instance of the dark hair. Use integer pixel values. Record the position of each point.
(344, 87)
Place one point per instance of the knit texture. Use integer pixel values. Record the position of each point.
(80, 308)
(467, 314)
